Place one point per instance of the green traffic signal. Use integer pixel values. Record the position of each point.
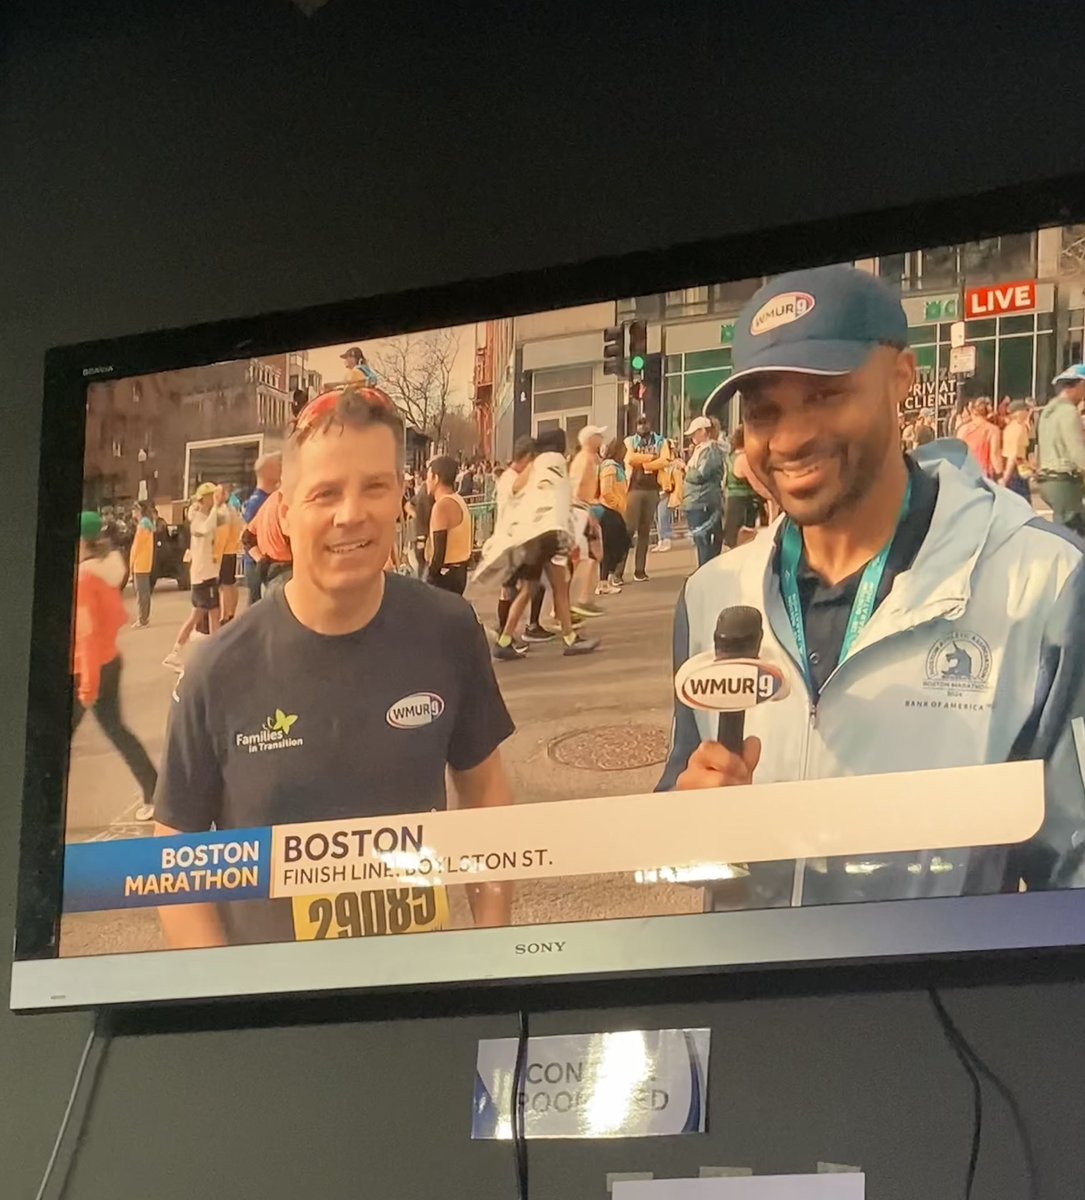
(638, 362)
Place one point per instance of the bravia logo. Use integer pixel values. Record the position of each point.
(728, 685)
(781, 310)
(420, 708)
(274, 734)
(540, 947)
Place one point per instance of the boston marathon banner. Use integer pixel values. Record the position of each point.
(676, 836)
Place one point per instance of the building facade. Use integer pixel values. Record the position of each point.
(1021, 298)
(137, 430)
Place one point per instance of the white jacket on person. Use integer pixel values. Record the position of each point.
(977, 655)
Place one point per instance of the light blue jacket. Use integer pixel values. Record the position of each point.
(993, 582)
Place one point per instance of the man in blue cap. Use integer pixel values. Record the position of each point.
(923, 617)
(1060, 450)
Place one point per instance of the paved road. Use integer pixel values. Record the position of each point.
(580, 722)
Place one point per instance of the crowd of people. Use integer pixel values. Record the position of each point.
(1021, 445)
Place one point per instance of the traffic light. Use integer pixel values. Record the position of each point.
(638, 347)
(614, 351)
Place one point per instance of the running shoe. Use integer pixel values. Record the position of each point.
(609, 589)
(536, 633)
(173, 661)
(580, 645)
(139, 624)
(587, 610)
(509, 653)
(640, 577)
(145, 812)
(663, 546)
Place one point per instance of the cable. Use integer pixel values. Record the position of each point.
(976, 1067)
(950, 1031)
(100, 1034)
(519, 1137)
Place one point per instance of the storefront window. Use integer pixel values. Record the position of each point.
(938, 267)
(926, 357)
(982, 382)
(891, 267)
(1045, 365)
(1015, 359)
(707, 360)
(686, 390)
(980, 329)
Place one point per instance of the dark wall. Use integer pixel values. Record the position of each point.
(169, 164)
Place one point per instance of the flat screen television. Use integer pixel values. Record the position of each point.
(699, 609)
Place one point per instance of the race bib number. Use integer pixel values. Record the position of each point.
(370, 913)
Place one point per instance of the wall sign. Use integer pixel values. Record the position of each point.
(1000, 299)
(751, 1187)
(638, 1083)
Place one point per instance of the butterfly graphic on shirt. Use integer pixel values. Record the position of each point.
(281, 723)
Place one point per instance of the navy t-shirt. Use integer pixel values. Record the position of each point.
(276, 724)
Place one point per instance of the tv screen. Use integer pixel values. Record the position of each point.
(590, 623)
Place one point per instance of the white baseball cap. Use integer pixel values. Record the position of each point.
(698, 423)
(590, 431)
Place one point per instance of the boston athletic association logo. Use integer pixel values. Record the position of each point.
(960, 662)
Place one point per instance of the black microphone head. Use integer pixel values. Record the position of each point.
(738, 632)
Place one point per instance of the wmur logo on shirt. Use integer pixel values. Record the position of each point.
(274, 735)
(420, 708)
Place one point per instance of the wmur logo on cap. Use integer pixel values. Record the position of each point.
(781, 310)
(728, 684)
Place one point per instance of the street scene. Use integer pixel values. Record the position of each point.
(662, 468)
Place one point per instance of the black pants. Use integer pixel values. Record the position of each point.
(739, 512)
(451, 579)
(615, 542)
(107, 708)
(640, 508)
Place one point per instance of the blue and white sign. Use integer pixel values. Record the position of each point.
(190, 868)
(639, 1083)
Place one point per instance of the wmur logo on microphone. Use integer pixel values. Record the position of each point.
(728, 684)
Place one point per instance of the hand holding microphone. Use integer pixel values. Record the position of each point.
(728, 680)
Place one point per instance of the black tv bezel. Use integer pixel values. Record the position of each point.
(69, 370)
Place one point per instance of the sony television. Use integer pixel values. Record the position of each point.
(689, 611)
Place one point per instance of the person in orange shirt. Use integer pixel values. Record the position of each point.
(99, 617)
(141, 563)
(613, 494)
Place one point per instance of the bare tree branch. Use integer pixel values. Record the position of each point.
(416, 371)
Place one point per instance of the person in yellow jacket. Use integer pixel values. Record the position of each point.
(141, 563)
(230, 525)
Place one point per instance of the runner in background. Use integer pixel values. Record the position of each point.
(983, 438)
(268, 474)
(227, 545)
(99, 617)
(448, 548)
(1015, 440)
(665, 477)
(584, 479)
(613, 492)
(203, 572)
(421, 511)
(743, 493)
(141, 563)
(549, 494)
(331, 658)
(523, 452)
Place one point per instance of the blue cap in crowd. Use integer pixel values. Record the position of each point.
(1074, 374)
(824, 321)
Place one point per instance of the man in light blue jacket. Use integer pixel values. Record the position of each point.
(924, 617)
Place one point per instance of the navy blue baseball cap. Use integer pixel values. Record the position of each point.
(824, 321)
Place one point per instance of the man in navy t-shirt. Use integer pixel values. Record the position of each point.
(332, 658)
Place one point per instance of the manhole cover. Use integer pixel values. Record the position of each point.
(612, 747)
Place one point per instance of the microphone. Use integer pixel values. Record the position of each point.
(730, 678)
(738, 636)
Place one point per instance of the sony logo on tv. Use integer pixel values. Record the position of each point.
(540, 947)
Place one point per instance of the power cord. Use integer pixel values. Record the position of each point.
(519, 1138)
(976, 1069)
(100, 1035)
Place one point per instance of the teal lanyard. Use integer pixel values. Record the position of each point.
(866, 594)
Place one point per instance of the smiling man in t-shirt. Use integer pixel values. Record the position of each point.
(331, 656)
